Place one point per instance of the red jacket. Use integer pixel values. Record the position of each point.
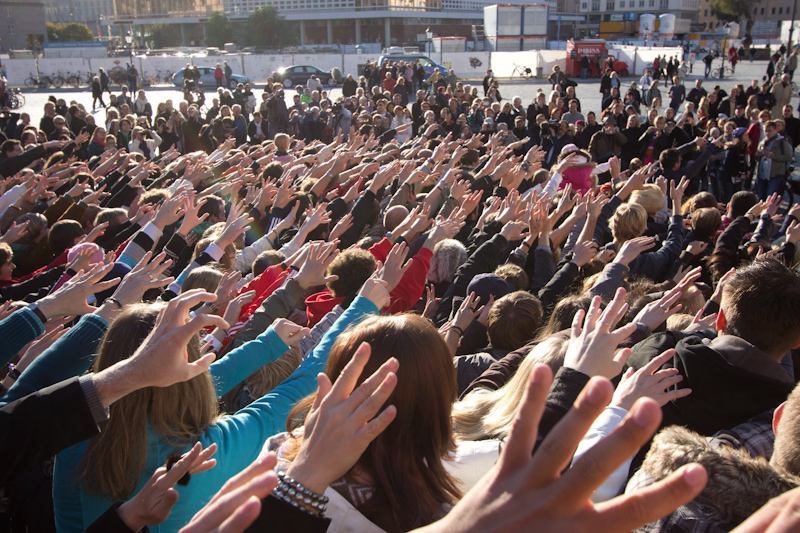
(403, 297)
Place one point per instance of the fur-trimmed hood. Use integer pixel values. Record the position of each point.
(738, 484)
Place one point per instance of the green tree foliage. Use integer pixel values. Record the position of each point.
(733, 10)
(69, 32)
(218, 30)
(266, 28)
(164, 35)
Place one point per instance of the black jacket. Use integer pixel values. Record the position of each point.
(36, 427)
(724, 392)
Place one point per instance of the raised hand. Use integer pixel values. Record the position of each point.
(238, 503)
(289, 332)
(70, 298)
(593, 344)
(162, 359)
(152, 505)
(631, 249)
(343, 421)
(318, 259)
(650, 382)
(191, 218)
(526, 491)
(394, 267)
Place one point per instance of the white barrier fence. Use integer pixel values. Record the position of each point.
(259, 67)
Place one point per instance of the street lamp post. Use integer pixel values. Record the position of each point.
(429, 35)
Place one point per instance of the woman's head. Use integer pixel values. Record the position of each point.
(412, 486)
(282, 142)
(448, 255)
(485, 414)
(650, 197)
(115, 459)
(6, 262)
(204, 277)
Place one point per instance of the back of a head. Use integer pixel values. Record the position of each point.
(448, 255)
(266, 260)
(760, 302)
(115, 458)
(697, 201)
(272, 170)
(628, 222)
(63, 234)
(405, 462)
(515, 275)
(489, 414)
(514, 320)
(563, 314)
(650, 197)
(203, 277)
(740, 203)
(353, 268)
(705, 222)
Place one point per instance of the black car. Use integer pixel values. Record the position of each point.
(300, 74)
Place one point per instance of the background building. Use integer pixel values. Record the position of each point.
(21, 24)
(620, 18)
(89, 12)
(389, 22)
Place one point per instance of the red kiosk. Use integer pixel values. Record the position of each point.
(596, 51)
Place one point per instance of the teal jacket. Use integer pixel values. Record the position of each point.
(18, 329)
(240, 437)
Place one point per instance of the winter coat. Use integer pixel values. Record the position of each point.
(738, 483)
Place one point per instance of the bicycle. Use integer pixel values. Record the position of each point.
(522, 72)
(42, 82)
(16, 98)
(722, 72)
(74, 80)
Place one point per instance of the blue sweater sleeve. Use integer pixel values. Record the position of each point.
(238, 364)
(249, 428)
(17, 330)
(69, 356)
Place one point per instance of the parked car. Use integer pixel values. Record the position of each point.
(427, 63)
(300, 74)
(207, 78)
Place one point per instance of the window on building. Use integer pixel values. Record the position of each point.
(595, 5)
(773, 10)
(652, 3)
(641, 3)
(585, 6)
(762, 10)
(609, 5)
(780, 11)
(705, 14)
(11, 29)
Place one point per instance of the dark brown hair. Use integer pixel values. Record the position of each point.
(412, 485)
(514, 320)
(760, 303)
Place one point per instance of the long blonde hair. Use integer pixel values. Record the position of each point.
(488, 414)
(115, 459)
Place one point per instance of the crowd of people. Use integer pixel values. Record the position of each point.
(450, 313)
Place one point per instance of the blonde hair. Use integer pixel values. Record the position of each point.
(629, 221)
(651, 197)
(679, 322)
(115, 459)
(488, 414)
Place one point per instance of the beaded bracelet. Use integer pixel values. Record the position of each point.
(295, 494)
